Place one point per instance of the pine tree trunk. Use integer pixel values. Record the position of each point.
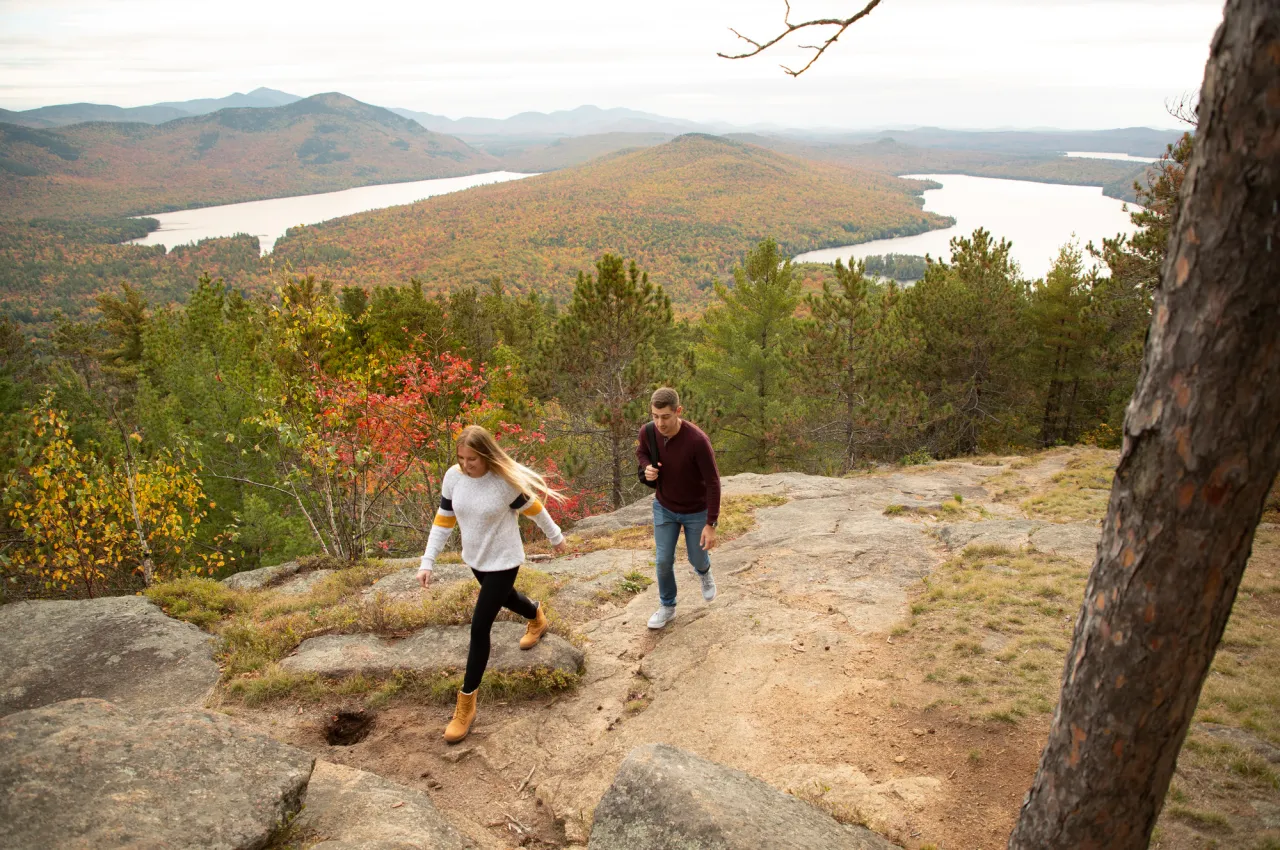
(1201, 447)
(616, 442)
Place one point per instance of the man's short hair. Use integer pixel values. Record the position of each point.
(665, 397)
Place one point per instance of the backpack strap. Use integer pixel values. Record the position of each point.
(651, 430)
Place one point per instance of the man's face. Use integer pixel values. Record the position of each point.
(667, 420)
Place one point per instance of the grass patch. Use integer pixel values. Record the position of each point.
(1204, 821)
(275, 684)
(201, 601)
(950, 509)
(1080, 492)
(1020, 602)
(624, 589)
(816, 796)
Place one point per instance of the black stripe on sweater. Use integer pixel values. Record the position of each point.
(446, 504)
(520, 502)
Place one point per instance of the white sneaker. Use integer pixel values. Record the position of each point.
(665, 614)
(708, 585)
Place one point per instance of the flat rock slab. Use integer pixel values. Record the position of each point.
(1075, 540)
(664, 798)
(432, 650)
(121, 648)
(262, 577)
(88, 774)
(1013, 534)
(355, 810)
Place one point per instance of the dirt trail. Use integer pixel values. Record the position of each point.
(791, 674)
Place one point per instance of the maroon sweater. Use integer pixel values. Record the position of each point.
(688, 481)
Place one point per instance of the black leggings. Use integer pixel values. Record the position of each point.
(497, 591)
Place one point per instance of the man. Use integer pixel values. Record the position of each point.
(676, 459)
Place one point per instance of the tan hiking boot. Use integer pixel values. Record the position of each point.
(463, 716)
(535, 630)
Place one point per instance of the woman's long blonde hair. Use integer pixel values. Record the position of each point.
(514, 473)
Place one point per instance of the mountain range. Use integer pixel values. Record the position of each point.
(66, 114)
(317, 144)
(531, 129)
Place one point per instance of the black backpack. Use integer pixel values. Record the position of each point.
(651, 435)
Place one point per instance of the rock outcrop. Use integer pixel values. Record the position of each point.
(262, 577)
(639, 513)
(123, 649)
(88, 774)
(664, 798)
(430, 651)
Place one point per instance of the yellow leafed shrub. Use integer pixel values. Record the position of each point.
(88, 525)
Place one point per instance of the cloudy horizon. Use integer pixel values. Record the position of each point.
(980, 64)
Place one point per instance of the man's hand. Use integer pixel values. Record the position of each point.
(651, 472)
(424, 578)
(708, 541)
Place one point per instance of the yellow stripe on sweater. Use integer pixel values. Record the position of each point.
(446, 521)
(533, 508)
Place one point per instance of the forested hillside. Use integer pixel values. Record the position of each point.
(894, 157)
(687, 211)
(50, 267)
(322, 143)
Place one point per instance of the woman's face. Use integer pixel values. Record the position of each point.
(471, 463)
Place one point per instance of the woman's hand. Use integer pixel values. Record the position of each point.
(424, 578)
(561, 547)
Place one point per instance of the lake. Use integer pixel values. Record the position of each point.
(1120, 157)
(268, 220)
(1038, 218)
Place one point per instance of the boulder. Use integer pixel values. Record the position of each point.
(664, 798)
(302, 583)
(262, 577)
(634, 515)
(120, 648)
(430, 651)
(355, 810)
(88, 774)
(402, 586)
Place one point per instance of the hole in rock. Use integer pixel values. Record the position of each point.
(345, 728)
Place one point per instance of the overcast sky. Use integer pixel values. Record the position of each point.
(953, 63)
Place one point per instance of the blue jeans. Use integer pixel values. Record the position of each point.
(666, 533)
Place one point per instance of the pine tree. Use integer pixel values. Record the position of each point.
(603, 354)
(1064, 354)
(745, 366)
(970, 319)
(854, 345)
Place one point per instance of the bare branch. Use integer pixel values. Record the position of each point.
(1186, 109)
(842, 24)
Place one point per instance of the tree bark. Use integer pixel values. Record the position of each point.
(1201, 447)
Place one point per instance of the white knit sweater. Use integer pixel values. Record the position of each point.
(485, 508)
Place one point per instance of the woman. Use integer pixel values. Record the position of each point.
(482, 494)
